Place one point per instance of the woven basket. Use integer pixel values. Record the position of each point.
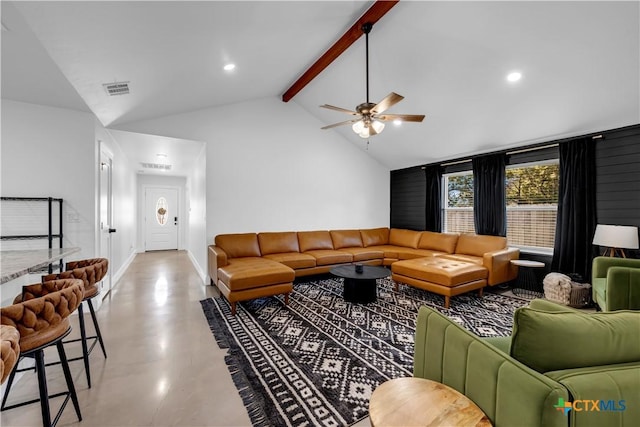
(580, 295)
(559, 288)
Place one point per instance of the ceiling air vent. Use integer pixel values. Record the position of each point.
(157, 166)
(117, 88)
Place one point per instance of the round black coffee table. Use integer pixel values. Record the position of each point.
(360, 287)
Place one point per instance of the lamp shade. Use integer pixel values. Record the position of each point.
(616, 236)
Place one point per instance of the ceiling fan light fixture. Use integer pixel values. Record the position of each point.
(377, 125)
(365, 133)
(358, 127)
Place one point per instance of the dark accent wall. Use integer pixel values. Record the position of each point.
(408, 189)
(617, 182)
(618, 179)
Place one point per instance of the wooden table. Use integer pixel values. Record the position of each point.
(421, 402)
(17, 263)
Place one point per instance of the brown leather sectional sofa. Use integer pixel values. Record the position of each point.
(252, 265)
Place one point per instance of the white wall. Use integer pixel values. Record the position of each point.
(179, 182)
(51, 152)
(196, 197)
(270, 167)
(124, 191)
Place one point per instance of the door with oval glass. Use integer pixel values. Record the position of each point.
(161, 219)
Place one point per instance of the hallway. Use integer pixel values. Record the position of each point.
(164, 367)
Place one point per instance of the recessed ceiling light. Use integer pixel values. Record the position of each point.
(397, 122)
(514, 76)
(229, 67)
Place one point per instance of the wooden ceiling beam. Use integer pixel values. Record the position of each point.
(372, 15)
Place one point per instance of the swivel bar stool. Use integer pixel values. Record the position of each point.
(42, 319)
(10, 350)
(91, 272)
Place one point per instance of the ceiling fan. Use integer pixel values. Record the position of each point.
(369, 120)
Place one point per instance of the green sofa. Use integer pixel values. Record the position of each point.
(555, 357)
(616, 283)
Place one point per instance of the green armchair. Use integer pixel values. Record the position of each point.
(616, 283)
(556, 356)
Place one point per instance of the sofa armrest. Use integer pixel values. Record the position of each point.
(507, 391)
(623, 288)
(601, 265)
(499, 265)
(217, 259)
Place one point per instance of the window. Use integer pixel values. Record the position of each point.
(161, 211)
(532, 204)
(458, 202)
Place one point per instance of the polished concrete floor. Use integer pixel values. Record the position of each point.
(163, 368)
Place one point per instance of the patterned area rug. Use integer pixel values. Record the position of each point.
(317, 361)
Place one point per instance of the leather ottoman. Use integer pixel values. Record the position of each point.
(441, 276)
(252, 277)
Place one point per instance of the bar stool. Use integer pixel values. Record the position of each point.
(10, 350)
(91, 272)
(43, 321)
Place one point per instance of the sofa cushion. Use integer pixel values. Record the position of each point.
(410, 253)
(252, 272)
(436, 270)
(405, 238)
(374, 236)
(600, 287)
(615, 386)
(278, 242)
(294, 260)
(346, 239)
(577, 339)
(478, 245)
(364, 254)
(312, 240)
(440, 242)
(461, 257)
(239, 245)
(330, 256)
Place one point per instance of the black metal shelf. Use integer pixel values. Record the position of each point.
(31, 237)
(31, 199)
(50, 235)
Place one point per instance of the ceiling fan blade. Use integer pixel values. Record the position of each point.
(340, 124)
(372, 131)
(342, 110)
(401, 117)
(390, 100)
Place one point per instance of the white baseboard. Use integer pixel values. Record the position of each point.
(202, 274)
(118, 274)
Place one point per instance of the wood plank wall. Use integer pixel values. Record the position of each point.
(408, 189)
(618, 179)
(617, 184)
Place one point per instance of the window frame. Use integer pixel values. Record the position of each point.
(543, 250)
(445, 198)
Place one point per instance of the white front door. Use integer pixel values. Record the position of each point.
(161, 219)
(106, 214)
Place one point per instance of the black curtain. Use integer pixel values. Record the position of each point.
(576, 221)
(433, 198)
(489, 202)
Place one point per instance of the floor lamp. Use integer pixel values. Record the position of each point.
(616, 238)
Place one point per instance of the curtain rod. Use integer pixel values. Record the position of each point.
(540, 146)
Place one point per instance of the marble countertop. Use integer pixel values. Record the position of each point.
(14, 264)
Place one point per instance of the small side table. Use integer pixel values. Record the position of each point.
(527, 284)
(420, 402)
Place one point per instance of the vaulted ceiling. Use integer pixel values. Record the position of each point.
(579, 62)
